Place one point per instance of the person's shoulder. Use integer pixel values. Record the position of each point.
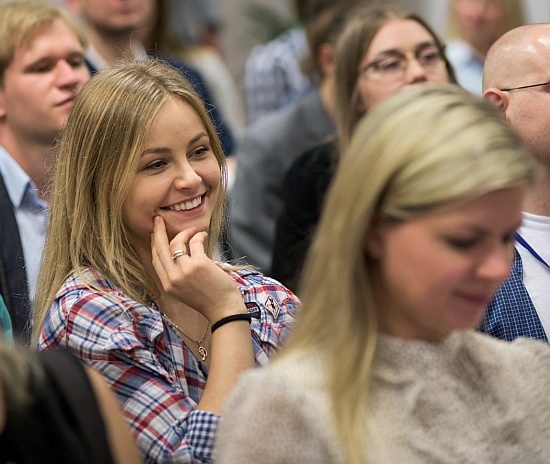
(458, 52)
(90, 311)
(188, 70)
(88, 280)
(6, 330)
(516, 372)
(263, 294)
(302, 417)
(278, 121)
(521, 353)
(321, 156)
(265, 137)
(300, 370)
(297, 119)
(249, 277)
(307, 368)
(90, 291)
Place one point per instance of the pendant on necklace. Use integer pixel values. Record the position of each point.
(202, 352)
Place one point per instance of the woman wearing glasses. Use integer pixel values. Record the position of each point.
(382, 50)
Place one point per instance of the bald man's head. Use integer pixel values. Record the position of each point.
(518, 61)
(518, 58)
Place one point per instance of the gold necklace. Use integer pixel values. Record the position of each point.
(201, 349)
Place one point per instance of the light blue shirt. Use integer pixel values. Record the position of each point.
(467, 66)
(31, 215)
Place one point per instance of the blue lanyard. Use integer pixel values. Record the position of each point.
(528, 247)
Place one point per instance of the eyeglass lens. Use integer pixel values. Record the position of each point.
(394, 64)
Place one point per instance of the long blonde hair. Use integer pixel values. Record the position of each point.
(98, 153)
(427, 146)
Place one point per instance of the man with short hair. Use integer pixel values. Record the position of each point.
(42, 69)
(516, 79)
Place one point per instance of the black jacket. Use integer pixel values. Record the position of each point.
(13, 276)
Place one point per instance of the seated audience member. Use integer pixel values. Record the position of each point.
(269, 147)
(472, 27)
(373, 60)
(54, 410)
(384, 364)
(41, 71)
(516, 81)
(129, 280)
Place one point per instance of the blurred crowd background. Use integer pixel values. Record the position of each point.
(245, 23)
(238, 34)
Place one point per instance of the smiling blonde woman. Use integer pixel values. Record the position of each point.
(169, 326)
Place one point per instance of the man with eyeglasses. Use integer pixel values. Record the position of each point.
(516, 79)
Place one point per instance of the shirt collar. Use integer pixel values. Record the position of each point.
(15, 179)
(95, 59)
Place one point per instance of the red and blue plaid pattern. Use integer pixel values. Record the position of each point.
(155, 376)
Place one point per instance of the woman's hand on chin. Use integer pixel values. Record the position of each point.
(190, 276)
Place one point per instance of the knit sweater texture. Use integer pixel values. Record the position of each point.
(468, 399)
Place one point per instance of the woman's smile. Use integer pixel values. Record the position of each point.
(177, 178)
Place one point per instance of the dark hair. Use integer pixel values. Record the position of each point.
(325, 28)
(308, 10)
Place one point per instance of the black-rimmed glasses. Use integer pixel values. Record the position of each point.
(524, 87)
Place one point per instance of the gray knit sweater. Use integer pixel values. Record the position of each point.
(469, 399)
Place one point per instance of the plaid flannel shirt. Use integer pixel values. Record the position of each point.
(511, 313)
(157, 379)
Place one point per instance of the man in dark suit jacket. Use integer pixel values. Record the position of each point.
(43, 71)
(13, 278)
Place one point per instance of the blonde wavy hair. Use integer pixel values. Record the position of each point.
(98, 152)
(427, 146)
